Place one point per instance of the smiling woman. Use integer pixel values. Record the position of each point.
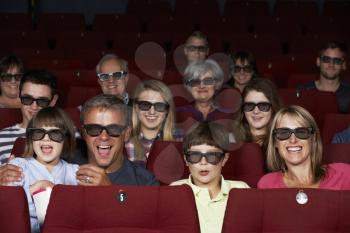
(153, 118)
(260, 103)
(11, 72)
(203, 79)
(294, 155)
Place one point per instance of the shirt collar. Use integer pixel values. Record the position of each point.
(225, 189)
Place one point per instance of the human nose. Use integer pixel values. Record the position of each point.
(292, 138)
(152, 110)
(104, 135)
(256, 109)
(46, 137)
(34, 105)
(203, 160)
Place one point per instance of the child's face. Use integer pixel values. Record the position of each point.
(48, 152)
(204, 173)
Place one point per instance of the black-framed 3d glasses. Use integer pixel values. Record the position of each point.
(37, 134)
(211, 157)
(246, 69)
(113, 130)
(146, 106)
(197, 82)
(42, 102)
(9, 77)
(262, 106)
(300, 132)
(194, 48)
(333, 60)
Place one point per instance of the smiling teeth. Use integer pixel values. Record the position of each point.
(294, 149)
(103, 147)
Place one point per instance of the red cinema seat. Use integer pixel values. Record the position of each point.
(246, 162)
(311, 99)
(9, 117)
(336, 153)
(77, 95)
(166, 161)
(14, 214)
(74, 114)
(334, 123)
(295, 80)
(127, 209)
(18, 147)
(276, 210)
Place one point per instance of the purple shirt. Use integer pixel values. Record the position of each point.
(337, 177)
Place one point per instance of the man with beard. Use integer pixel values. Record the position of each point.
(331, 62)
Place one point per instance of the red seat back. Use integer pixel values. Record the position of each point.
(9, 117)
(318, 103)
(18, 147)
(336, 153)
(14, 214)
(276, 210)
(129, 209)
(334, 123)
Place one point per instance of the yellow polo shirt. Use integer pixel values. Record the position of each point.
(211, 211)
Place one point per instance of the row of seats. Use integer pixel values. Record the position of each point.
(70, 41)
(172, 209)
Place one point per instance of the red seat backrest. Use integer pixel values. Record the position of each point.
(246, 163)
(276, 210)
(336, 153)
(18, 147)
(127, 209)
(9, 117)
(166, 161)
(318, 103)
(14, 214)
(334, 123)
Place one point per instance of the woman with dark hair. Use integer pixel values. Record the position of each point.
(242, 69)
(11, 72)
(260, 103)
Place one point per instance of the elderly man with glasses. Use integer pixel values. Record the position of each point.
(112, 73)
(331, 61)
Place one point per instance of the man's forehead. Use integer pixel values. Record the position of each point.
(36, 90)
(113, 114)
(111, 65)
(333, 52)
(196, 41)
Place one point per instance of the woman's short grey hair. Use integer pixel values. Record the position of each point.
(197, 69)
(123, 63)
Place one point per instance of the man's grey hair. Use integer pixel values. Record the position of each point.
(123, 63)
(106, 102)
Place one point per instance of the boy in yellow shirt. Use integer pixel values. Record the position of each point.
(205, 148)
